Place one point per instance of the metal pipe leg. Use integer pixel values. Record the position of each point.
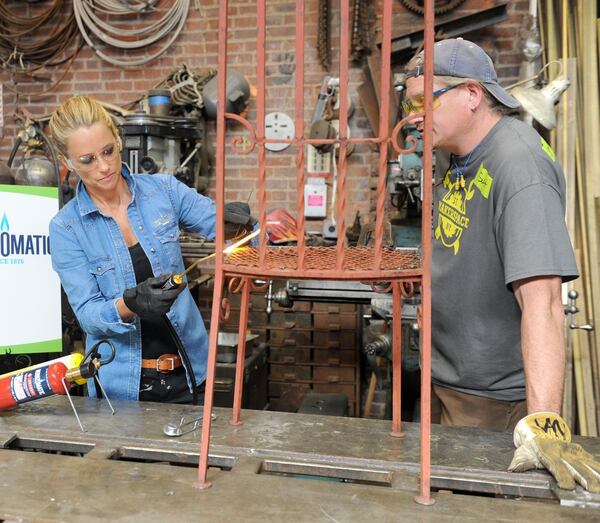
(241, 354)
(202, 483)
(425, 497)
(396, 361)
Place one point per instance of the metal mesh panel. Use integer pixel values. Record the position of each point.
(324, 259)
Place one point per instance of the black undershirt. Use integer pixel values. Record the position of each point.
(156, 339)
(171, 386)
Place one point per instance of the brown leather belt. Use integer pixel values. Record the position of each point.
(164, 363)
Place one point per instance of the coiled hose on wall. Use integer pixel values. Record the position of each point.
(169, 26)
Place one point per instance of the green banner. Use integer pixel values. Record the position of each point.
(48, 192)
(30, 348)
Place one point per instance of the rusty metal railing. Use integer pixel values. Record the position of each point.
(401, 271)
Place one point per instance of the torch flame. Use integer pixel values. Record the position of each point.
(241, 242)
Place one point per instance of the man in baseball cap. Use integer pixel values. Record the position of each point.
(500, 253)
(464, 60)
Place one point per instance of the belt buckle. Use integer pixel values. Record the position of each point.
(170, 358)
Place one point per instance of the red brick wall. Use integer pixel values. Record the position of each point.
(197, 47)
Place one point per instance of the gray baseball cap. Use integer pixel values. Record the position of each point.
(464, 59)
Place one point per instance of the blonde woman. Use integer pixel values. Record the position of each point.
(114, 246)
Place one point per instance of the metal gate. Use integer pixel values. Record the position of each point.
(387, 269)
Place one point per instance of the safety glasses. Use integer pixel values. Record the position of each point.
(416, 104)
(89, 161)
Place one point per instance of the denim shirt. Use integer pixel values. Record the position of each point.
(92, 259)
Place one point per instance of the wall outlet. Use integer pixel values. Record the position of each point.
(330, 230)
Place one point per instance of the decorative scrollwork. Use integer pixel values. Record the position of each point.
(381, 287)
(225, 309)
(236, 284)
(409, 139)
(407, 289)
(247, 145)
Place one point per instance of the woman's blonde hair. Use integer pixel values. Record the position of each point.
(74, 113)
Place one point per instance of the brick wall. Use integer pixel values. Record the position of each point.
(197, 47)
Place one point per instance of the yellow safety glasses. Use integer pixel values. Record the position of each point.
(416, 104)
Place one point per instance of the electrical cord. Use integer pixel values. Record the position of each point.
(27, 44)
(169, 26)
(13, 152)
(54, 85)
(125, 6)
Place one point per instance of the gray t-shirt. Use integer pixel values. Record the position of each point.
(505, 222)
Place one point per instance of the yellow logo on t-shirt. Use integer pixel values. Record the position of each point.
(452, 208)
(547, 149)
(483, 181)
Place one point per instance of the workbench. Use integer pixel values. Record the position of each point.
(275, 467)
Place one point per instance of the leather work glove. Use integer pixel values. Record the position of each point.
(149, 300)
(238, 220)
(543, 440)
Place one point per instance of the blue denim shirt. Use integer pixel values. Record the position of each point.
(92, 259)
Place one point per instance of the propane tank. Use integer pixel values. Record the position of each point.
(33, 384)
(71, 361)
(36, 170)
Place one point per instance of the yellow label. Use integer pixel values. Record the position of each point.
(547, 149)
(483, 181)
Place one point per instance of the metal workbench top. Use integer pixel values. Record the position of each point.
(125, 469)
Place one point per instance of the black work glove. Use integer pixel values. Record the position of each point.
(149, 300)
(238, 220)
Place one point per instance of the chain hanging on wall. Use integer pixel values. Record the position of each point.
(360, 30)
(441, 7)
(323, 37)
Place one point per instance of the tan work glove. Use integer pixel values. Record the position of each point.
(543, 440)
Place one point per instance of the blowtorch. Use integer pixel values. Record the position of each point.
(177, 279)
